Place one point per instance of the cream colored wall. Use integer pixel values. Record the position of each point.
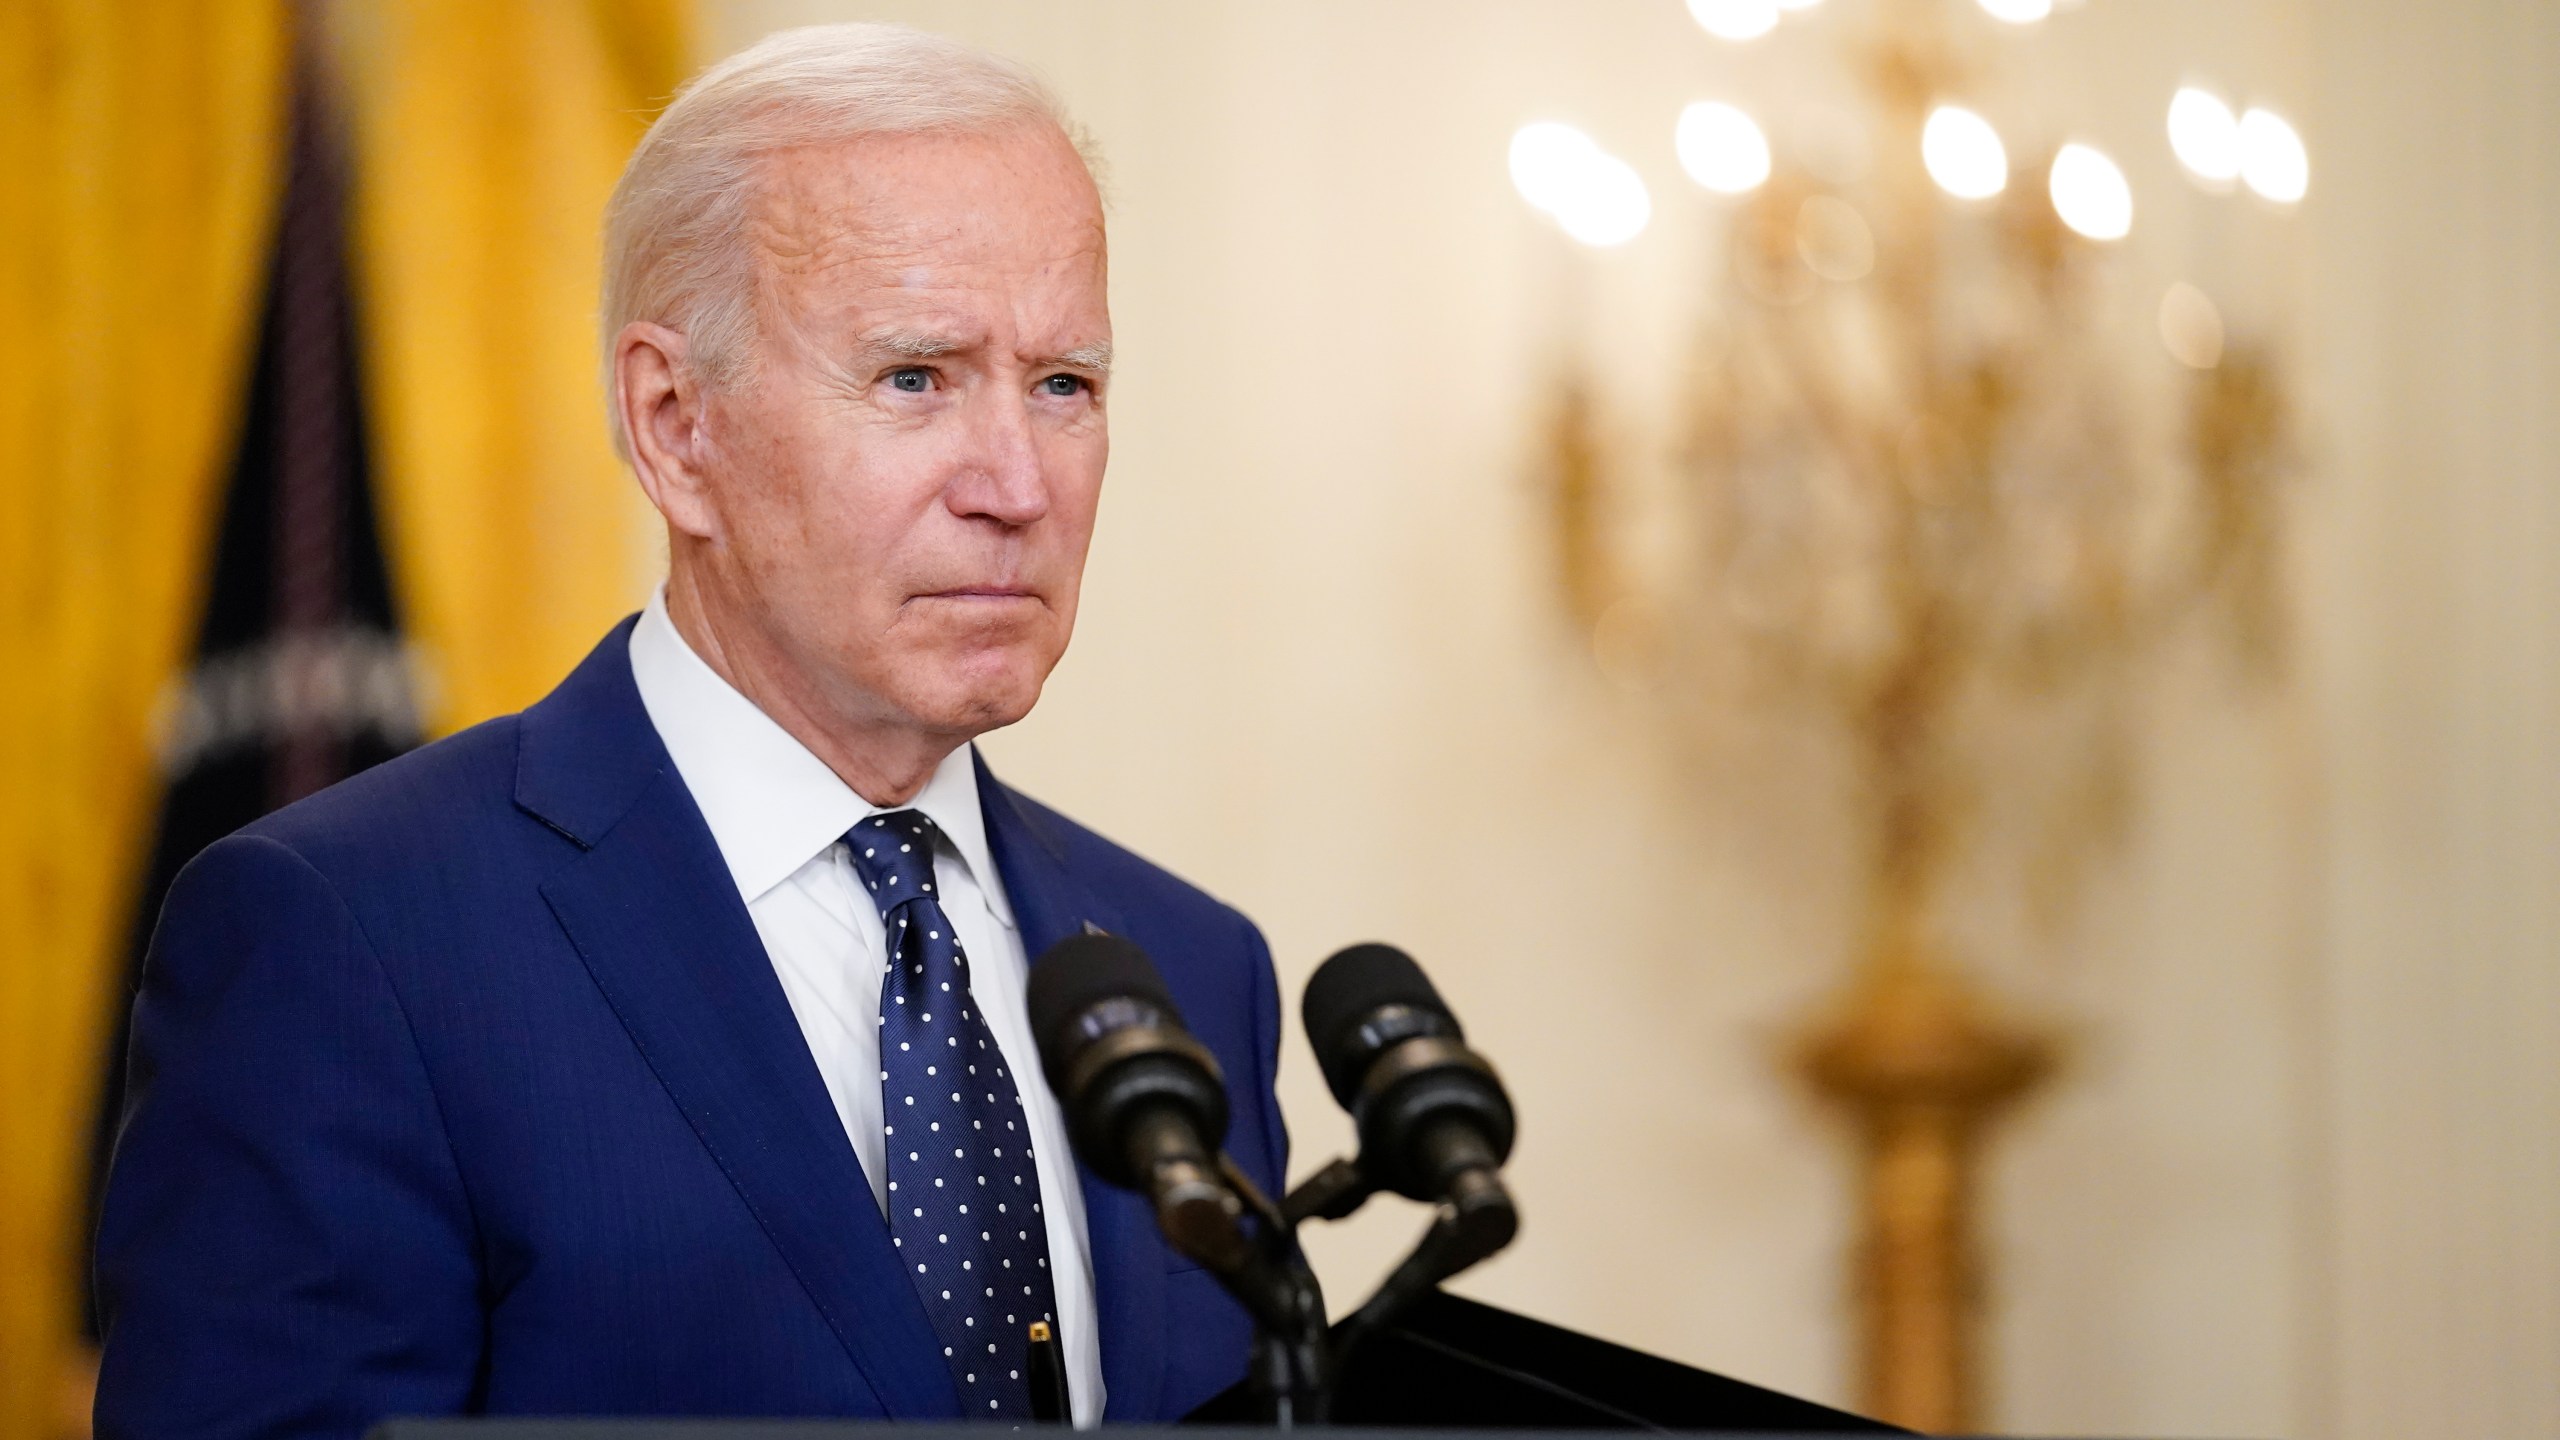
(2437, 597)
(1320, 672)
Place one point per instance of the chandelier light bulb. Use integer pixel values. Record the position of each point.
(1964, 154)
(1611, 205)
(2272, 159)
(2205, 135)
(1735, 19)
(2090, 193)
(1598, 198)
(1546, 160)
(1721, 147)
(2018, 12)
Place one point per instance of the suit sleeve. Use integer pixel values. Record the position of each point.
(285, 1248)
(1265, 983)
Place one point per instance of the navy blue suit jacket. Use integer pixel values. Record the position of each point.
(467, 1086)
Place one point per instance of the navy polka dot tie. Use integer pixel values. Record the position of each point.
(964, 1198)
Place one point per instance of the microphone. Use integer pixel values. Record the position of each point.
(1435, 1124)
(1145, 1104)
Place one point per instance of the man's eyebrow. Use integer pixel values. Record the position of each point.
(912, 344)
(927, 345)
(1095, 356)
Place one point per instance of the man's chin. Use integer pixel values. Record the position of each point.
(972, 704)
(992, 714)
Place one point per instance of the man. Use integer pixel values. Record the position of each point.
(661, 1049)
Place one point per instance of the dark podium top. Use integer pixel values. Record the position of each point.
(1445, 1364)
(1449, 1363)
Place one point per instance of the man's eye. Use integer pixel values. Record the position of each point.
(914, 380)
(1063, 385)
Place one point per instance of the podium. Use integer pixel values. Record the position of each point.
(1451, 1363)
(1444, 1364)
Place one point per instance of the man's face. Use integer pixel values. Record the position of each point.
(905, 486)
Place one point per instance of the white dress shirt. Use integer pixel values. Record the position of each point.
(779, 816)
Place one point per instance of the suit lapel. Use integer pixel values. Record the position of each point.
(1129, 1256)
(653, 912)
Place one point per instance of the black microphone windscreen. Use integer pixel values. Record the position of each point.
(1350, 986)
(1081, 970)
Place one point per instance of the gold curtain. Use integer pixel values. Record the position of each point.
(132, 248)
(131, 258)
(488, 135)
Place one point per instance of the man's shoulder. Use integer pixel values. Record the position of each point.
(453, 807)
(452, 794)
(1127, 879)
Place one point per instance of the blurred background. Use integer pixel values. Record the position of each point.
(2018, 543)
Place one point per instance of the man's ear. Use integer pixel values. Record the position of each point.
(660, 401)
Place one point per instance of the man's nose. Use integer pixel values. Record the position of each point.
(1004, 480)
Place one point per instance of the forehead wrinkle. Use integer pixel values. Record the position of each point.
(834, 245)
(805, 239)
(812, 220)
(807, 226)
(822, 245)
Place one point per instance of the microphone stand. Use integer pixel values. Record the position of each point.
(1291, 1376)
(1477, 1219)
(1296, 1357)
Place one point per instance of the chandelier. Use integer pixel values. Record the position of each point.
(1919, 501)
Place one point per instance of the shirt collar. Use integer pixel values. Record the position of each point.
(770, 803)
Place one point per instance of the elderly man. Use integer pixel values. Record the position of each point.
(662, 1049)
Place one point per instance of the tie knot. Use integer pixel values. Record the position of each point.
(893, 853)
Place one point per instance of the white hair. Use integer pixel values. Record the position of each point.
(676, 245)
